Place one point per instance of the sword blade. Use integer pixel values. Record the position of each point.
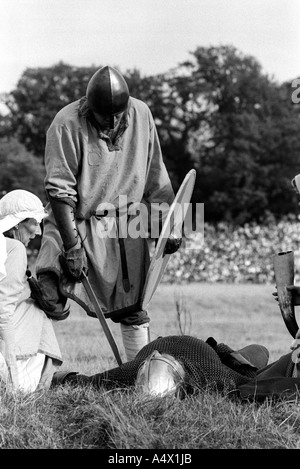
(101, 317)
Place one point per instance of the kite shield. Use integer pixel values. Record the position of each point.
(172, 224)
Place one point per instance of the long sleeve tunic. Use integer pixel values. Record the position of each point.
(82, 166)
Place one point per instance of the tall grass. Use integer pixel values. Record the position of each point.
(80, 418)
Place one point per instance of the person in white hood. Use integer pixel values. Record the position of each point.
(29, 351)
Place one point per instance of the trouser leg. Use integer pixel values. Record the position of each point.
(135, 333)
(51, 366)
(134, 339)
(30, 371)
(4, 373)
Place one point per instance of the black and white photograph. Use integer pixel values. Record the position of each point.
(149, 227)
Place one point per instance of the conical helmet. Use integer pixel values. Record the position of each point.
(160, 374)
(107, 92)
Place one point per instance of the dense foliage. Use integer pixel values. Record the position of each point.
(217, 112)
(20, 169)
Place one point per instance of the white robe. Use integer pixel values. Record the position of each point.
(25, 330)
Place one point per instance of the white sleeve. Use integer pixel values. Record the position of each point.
(11, 288)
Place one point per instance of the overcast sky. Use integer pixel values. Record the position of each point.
(151, 35)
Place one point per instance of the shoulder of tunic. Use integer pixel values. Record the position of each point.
(139, 105)
(141, 110)
(68, 115)
(16, 255)
(14, 246)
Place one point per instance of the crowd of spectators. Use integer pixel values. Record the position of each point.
(236, 254)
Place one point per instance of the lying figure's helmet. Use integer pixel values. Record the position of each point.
(107, 93)
(159, 375)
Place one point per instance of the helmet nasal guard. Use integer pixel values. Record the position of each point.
(107, 93)
(160, 374)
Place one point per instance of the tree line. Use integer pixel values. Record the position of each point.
(217, 112)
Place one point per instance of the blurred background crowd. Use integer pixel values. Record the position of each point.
(232, 254)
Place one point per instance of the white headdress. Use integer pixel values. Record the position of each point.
(16, 206)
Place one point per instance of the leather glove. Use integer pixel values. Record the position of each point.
(37, 293)
(172, 245)
(74, 262)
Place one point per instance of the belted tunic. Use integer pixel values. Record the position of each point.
(94, 172)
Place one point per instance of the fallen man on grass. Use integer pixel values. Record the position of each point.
(183, 365)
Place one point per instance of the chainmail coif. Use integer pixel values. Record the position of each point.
(205, 366)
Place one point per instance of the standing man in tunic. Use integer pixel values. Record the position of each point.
(101, 149)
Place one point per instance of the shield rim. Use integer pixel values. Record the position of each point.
(190, 178)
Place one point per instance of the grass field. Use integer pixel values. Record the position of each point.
(83, 418)
(234, 314)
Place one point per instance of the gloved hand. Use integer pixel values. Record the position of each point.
(37, 293)
(172, 245)
(74, 262)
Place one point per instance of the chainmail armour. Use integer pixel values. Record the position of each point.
(206, 366)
